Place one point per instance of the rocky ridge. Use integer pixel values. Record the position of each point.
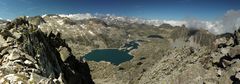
(29, 55)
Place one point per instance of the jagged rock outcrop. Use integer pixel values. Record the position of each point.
(237, 35)
(227, 39)
(36, 20)
(27, 55)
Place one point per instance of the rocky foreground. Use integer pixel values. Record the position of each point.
(32, 51)
(30, 56)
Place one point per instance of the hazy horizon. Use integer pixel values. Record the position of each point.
(155, 9)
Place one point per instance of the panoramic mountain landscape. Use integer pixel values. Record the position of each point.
(52, 42)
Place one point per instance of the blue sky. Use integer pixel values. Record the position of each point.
(149, 9)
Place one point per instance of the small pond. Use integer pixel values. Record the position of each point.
(114, 56)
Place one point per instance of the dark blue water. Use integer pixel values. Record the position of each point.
(114, 56)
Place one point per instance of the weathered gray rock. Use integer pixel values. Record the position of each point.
(64, 53)
(226, 39)
(10, 39)
(234, 51)
(3, 43)
(14, 55)
(13, 78)
(17, 35)
(28, 62)
(216, 57)
(237, 76)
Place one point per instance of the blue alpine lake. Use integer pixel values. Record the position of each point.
(115, 56)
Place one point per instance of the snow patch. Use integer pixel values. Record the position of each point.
(53, 16)
(174, 22)
(44, 15)
(78, 16)
(5, 19)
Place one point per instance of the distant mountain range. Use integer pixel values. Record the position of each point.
(216, 27)
(227, 23)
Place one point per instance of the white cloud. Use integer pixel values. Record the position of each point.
(231, 20)
(228, 23)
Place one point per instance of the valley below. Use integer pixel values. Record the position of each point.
(123, 52)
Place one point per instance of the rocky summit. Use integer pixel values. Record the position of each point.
(30, 56)
(52, 49)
